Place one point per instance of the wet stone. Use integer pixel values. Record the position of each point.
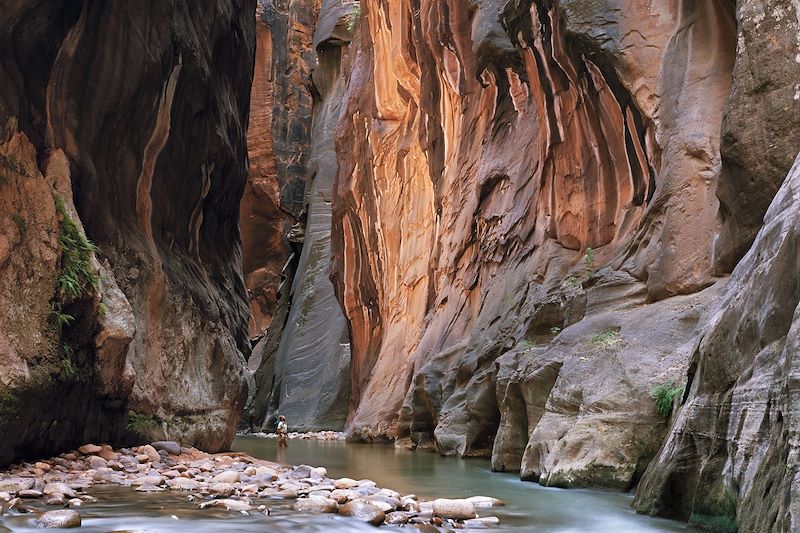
(60, 519)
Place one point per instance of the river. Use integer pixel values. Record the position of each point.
(530, 507)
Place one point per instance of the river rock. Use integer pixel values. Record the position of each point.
(455, 509)
(345, 483)
(59, 488)
(316, 505)
(265, 470)
(230, 505)
(89, 449)
(171, 447)
(60, 519)
(228, 476)
(324, 494)
(364, 511)
(398, 517)
(287, 494)
(222, 489)
(150, 452)
(149, 480)
(75, 502)
(182, 483)
(485, 501)
(14, 485)
(56, 499)
(108, 455)
(148, 487)
(44, 467)
(299, 472)
(30, 494)
(95, 461)
(483, 522)
(341, 495)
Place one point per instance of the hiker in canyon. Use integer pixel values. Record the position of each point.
(283, 432)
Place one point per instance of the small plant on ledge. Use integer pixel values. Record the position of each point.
(77, 275)
(140, 423)
(607, 337)
(664, 396)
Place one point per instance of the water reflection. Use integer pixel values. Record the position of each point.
(531, 507)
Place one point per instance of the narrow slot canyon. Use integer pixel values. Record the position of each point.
(554, 237)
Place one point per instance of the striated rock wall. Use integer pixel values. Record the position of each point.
(155, 161)
(731, 454)
(732, 451)
(263, 222)
(515, 181)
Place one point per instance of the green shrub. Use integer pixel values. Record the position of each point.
(102, 309)
(555, 330)
(664, 396)
(607, 337)
(140, 423)
(77, 275)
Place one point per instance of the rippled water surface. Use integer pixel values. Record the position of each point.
(530, 507)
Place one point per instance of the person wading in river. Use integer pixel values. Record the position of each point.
(283, 432)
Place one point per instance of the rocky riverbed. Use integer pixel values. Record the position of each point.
(307, 435)
(56, 489)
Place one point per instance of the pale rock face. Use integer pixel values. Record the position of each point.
(735, 439)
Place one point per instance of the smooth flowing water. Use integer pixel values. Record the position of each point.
(530, 507)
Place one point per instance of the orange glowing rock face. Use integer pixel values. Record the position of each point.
(475, 155)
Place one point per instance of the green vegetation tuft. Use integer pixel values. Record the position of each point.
(355, 17)
(141, 424)
(555, 330)
(664, 396)
(607, 337)
(588, 262)
(526, 345)
(63, 320)
(68, 371)
(77, 275)
(22, 226)
(715, 524)
(102, 309)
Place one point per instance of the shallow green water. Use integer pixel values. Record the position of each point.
(530, 507)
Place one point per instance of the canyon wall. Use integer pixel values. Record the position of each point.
(524, 229)
(126, 126)
(535, 210)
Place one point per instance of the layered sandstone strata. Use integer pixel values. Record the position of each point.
(155, 160)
